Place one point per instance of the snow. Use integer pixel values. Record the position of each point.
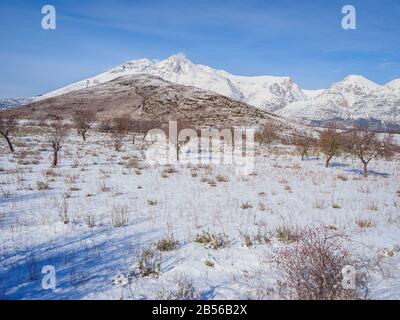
(312, 93)
(93, 179)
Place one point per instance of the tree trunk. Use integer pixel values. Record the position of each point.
(366, 170)
(327, 162)
(9, 143)
(55, 158)
(84, 136)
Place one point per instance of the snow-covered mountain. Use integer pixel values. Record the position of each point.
(266, 92)
(353, 98)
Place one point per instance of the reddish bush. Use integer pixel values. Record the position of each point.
(311, 268)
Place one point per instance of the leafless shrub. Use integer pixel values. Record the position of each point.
(50, 173)
(212, 241)
(119, 216)
(255, 240)
(42, 185)
(246, 205)
(149, 264)
(286, 234)
(167, 244)
(151, 202)
(133, 163)
(91, 219)
(103, 187)
(63, 213)
(184, 290)
(221, 178)
(363, 223)
(311, 268)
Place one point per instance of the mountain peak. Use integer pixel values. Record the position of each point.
(394, 84)
(359, 80)
(179, 59)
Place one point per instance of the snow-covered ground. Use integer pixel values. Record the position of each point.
(93, 183)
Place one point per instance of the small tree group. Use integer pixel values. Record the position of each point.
(125, 125)
(359, 142)
(8, 124)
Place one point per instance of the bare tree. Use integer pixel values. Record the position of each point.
(83, 121)
(303, 145)
(120, 128)
(122, 124)
(181, 125)
(267, 135)
(365, 145)
(117, 138)
(329, 144)
(8, 124)
(57, 137)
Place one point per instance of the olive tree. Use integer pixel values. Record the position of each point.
(329, 144)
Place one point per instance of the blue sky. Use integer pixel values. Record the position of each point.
(301, 39)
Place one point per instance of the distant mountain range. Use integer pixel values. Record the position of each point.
(354, 99)
(14, 102)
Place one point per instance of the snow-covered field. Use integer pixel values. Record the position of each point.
(63, 217)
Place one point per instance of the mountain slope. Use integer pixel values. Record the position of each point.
(152, 98)
(265, 92)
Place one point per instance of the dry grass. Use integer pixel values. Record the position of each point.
(364, 223)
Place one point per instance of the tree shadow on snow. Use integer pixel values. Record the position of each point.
(336, 165)
(370, 173)
(84, 264)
